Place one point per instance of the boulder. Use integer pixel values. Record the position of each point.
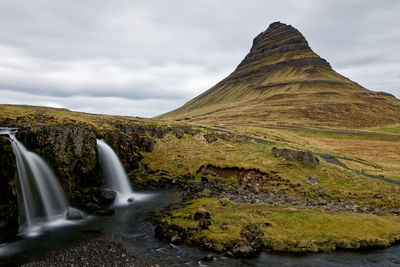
(107, 196)
(243, 250)
(178, 133)
(74, 214)
(306, 157)
(210, 138)
(202, 214)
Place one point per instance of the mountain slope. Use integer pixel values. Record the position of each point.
(283, 82)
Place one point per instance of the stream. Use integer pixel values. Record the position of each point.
(129, 226)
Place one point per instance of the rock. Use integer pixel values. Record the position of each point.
(206, 191)
(204, 223)
(107, 196)
(91, 207)
(253, 233)
(307, 158)
(74, 214)
(243, 250)
(224, 202)
(204, 179)
(210, 138)
(208, 257)
(268, 224)
(205, 243)
(202, 214)
(178, 133)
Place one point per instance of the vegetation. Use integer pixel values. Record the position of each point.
(286, 228)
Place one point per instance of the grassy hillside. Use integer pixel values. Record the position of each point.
(283, 82)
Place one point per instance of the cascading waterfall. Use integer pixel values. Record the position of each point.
(41, 200)
(114, 172)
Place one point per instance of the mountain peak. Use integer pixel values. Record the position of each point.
(280, 42)
(282, 81)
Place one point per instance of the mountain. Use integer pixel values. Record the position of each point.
(282, 81)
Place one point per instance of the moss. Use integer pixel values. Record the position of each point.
(292, 229)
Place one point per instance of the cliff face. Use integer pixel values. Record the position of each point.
(71, 152)
(282, 81)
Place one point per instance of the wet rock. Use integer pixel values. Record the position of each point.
(91, 207)
(74, 214)
(107, 196)
(172, 233)
(210, 138)
(205, 243)
(208, 257)
(243, 250)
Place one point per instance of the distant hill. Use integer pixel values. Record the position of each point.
(282, 81)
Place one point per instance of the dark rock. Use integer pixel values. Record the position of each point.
(243, 250)
(91, 207)
(210, 138)
(131, 200)
(253, 233)
(202, 214)
(204, 179)
(178, 133)
(223, 202)
(208, 257)
(204, 223)
(205, 243)
(74, 214)
(107, 196)
(307, 158)
(268, 224)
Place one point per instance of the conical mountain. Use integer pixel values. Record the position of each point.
(283, 82)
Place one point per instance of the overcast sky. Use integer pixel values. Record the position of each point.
(144, 58)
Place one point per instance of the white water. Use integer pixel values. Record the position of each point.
(114, 172)
(42, 203)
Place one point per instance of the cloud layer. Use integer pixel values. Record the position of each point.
(147, 57)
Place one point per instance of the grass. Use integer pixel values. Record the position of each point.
(292, 229)
(182, 158)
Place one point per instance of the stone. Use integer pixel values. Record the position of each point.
(224, 202)
(202, 213)
(208, 257)
(74, 214)
(107, 196)
(210, 138)
(307, 158)
(243, 250)
(91, 207)
(204, 223)
(178, 133)
(204, 179)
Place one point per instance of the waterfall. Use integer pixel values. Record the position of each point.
(42, 202)
(114, 172)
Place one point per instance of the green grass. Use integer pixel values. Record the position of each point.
(292, 228)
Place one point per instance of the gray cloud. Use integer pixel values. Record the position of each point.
(148, 57)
